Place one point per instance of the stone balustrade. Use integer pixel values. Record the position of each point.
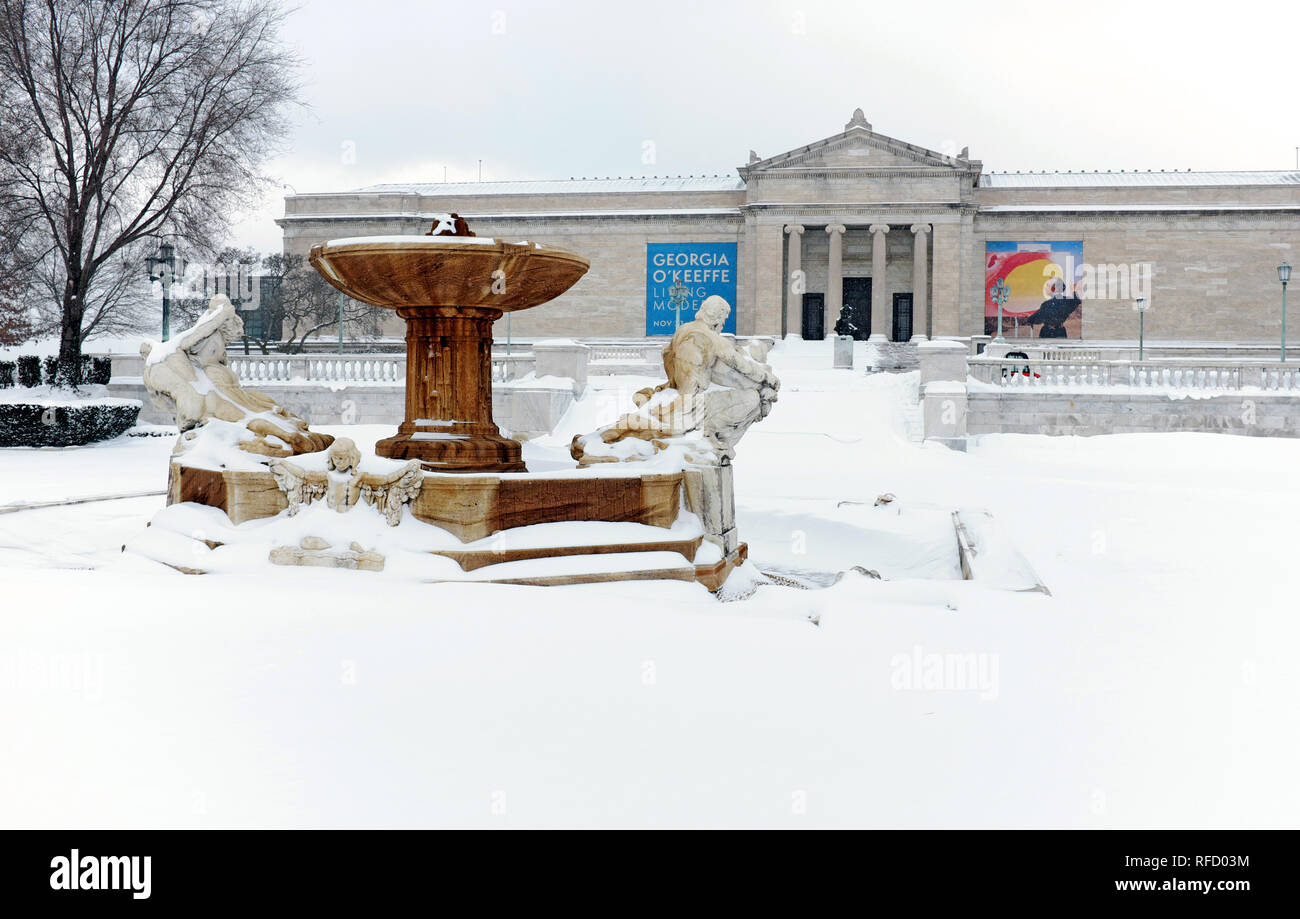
(507, 367)
(320, 368)
(1075, 350)
(1165, 374)
(1082, 395)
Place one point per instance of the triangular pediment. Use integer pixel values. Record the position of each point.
(857, 147)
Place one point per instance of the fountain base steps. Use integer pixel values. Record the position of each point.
(558, 571)
(498, 561)
(500, 521)
(534, 559)
(474, 558)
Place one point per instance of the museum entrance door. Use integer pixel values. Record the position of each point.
(814, 322)
(902, 330)
(855, 318)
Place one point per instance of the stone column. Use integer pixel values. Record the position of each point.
(767, 283)
(795, 285)
(920, 275)
(881, 312)
(946, 319)
(449, 426)
(834, 278)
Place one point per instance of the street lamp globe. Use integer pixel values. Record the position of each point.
(1284, 272)
(1000, 293)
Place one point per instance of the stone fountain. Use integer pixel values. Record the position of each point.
(451, 496)
(449, 287)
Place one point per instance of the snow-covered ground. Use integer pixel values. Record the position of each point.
(1153, 688)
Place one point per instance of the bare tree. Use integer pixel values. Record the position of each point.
(201, 280)
(15, 318)
(124, 120)
(310, 305)
(119, 300)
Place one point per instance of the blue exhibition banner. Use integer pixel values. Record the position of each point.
(700, 270)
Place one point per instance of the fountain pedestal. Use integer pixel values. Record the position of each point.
(448, 425)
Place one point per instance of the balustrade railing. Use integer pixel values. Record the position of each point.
(506, 367)
(319, 368)
(616, 354)
(1207, 376)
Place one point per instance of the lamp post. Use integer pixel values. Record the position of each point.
(1284, 275)
(1140, 304)
(1000, 293)
(679, 295)
(342, 297)
(162, 268)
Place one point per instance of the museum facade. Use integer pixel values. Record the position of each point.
(871, 236)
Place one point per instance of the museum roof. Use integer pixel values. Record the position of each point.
(562, 186)
(1137, 177)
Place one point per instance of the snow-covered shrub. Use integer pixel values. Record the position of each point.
(29, 370)
(32, 371)
(26, 424)
(101, 371)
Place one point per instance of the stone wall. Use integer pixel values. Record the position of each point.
(355, 404)
(1262, 415)
(1214, 275)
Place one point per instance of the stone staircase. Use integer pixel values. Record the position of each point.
(913, 422)
(532, 556)
(591, 568)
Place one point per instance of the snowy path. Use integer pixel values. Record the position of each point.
(1153, 688)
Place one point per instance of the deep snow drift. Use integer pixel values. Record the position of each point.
(1153, 687)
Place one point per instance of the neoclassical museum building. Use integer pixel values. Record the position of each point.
(871, 236)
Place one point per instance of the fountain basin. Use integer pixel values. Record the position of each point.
(456, 271)
(449, 290)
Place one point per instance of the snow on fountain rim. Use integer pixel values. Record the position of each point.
(424, 241)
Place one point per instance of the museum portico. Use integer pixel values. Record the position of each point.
(879, 237)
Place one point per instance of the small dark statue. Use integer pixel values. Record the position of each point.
(847, 324)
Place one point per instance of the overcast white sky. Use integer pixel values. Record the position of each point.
(565, 88)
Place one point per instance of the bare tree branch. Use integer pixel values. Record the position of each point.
(128, 120)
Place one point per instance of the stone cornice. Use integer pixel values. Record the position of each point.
(1137, 215)
(819, 213)
(858, 172)
(728, 214)
(859, 132)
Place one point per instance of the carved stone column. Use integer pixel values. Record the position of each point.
(794, 285)
(834, 275)
(880, 310)
(449, 424)
(920, 272)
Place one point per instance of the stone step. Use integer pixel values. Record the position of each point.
(913, 423)
(553, 571)
(475, 558)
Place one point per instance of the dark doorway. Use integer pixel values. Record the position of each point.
(902, 317)
(855, 317)
(814, 322)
